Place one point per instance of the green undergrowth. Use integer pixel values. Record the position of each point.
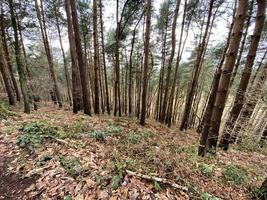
(35, 133)
(235, 175)
(72, 165)
(249, 145)
(100, 135)
(5, 110)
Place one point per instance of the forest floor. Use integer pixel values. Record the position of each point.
(54, 154)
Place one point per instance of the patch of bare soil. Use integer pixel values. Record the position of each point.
(12, 186)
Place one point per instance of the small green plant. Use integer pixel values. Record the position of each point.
(73, 131)
(72, 165)
(116, 181)
(156, 186)
(259, 193)
(148, 134)
(43, 160)
(133, 137)
(98, 135)
(35, 133)
(234, 174)
(4, 110)
(68, 197)
(207, 196)
(112, 130)
(206, 169)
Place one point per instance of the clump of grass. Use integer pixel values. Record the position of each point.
(234, 174)
(35, 133)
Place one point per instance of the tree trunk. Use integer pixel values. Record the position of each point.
(4, 72)
(76, 85)
(179, 55)
(131, 66)
(237, 64)
(146, 62)
(169, 67)
(96, 57)
(205, 123)
(67, 76)
(81, 62)
(7, 55)
(242, 88)
(252, 97)
(197, 69)
(41, 20)
(225, 78)
(104, 58)
(21, 70)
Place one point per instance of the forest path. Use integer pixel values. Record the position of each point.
(12, 186)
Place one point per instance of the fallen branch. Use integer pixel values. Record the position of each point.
(61, 141)
(160, 180)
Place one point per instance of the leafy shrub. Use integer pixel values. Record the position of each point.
(72, 165)
(234, 174)
(206, 169)
(35, 133)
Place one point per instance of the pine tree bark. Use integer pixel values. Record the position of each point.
(5, 75)
(21, 69)
(255, 93)
(103, 57)
(81, 62)
(205, 123)
(76, 85)
(130, 106)
(42, 24)
(67, 76)
(239, 57)
(146, 62)
(169, 67)
(96, 57)
(242, 88)
(225, 78)
(197, 68)
(7, 56)
(179, 54)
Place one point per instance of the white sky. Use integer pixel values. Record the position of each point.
(219, 32)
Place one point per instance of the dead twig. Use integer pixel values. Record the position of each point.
(160, 180)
